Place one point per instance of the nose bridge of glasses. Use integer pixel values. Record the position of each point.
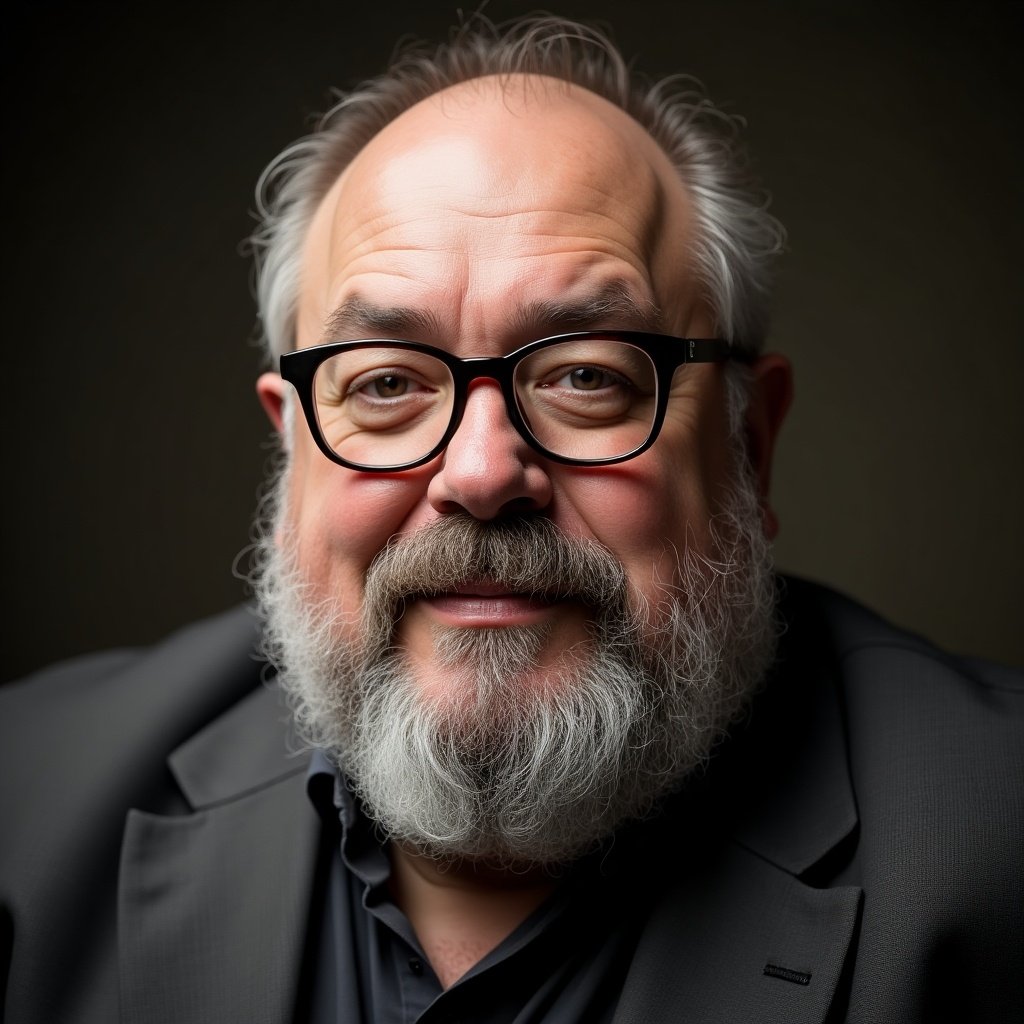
(480, 369)
(470, 371)
(475, 370)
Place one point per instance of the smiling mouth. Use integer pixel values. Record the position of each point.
(484, 604)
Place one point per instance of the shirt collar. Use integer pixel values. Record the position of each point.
(329, 792)
(361, 847)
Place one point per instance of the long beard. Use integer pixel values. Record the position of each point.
(499, 771)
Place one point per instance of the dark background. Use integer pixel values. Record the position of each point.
(890, 136)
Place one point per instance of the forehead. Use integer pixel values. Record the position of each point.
(495, 195)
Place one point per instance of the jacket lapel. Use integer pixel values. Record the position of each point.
(739, 940)
(741, 934)
(214, 905)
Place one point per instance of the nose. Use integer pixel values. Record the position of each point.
(488, 470)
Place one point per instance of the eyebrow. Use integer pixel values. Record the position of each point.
(359, 318)
(612, 305)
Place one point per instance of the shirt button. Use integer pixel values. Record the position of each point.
(416, 966)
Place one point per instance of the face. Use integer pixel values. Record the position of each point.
(474, 721)
(480, 220)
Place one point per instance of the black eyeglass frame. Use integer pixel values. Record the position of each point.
(665, 352)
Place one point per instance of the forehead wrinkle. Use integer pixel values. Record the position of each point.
(581, 198)
(615, 206)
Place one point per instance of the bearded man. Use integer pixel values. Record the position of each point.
(547, 757)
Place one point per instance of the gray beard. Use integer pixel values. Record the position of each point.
(505, 772)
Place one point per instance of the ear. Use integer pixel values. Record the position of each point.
(270, 390)
(771, 392)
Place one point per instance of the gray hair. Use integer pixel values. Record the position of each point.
(736, 236)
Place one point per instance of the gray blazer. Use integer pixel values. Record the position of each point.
(158, 848)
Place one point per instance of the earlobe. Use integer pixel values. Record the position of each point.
(270, 391)
(771, 393)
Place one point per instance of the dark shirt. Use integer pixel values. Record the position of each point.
(566, 962)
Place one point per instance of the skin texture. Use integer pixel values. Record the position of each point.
(461, 225)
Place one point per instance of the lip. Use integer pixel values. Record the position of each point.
(483, 604)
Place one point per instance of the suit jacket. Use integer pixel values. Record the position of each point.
(859, 855)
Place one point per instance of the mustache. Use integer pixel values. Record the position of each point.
(525, 555)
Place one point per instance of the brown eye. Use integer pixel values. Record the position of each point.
(587, 378)
(391, 386)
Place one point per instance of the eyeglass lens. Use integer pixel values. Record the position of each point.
(582, 399)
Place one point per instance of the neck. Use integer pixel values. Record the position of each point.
(461, 911)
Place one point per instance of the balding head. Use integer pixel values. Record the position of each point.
(733, 237)
(496, 195)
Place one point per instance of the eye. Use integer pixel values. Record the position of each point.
(589, 378)
(390, 386)
(384, 384)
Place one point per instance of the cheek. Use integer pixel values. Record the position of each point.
(647, 512)
(648, 530)
(343, 519)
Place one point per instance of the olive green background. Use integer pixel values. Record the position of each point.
(890, 136)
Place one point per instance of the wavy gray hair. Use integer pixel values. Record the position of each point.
(737, 237)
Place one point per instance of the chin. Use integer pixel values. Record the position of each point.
(483, 673)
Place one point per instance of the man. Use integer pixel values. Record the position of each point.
(515, 583)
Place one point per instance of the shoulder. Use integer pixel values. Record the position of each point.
(202, 647)
(107, 718)
(934, 742)
(935, 760)
(880, 662)
(917, 718)
(82, 743)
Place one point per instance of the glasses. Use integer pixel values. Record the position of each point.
(591, 398)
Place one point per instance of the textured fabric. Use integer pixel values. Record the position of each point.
(852, 853)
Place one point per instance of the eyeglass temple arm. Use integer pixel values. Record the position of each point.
(714, 350)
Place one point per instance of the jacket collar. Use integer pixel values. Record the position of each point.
(214, 906)
(251, 746)
(791, 797)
